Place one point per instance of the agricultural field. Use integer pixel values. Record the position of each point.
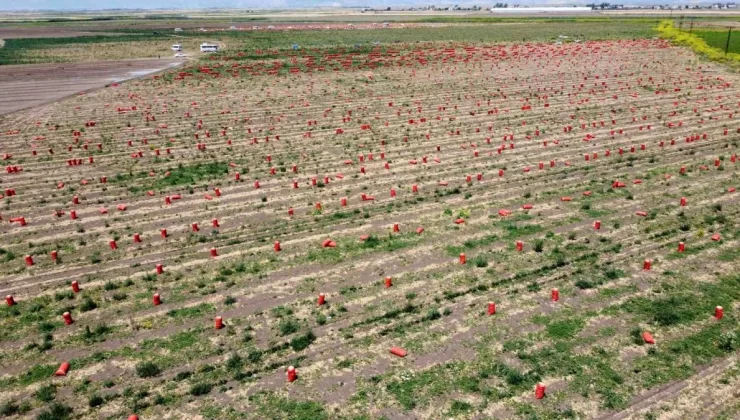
(116, 40)
(464, 229)
(717, 38)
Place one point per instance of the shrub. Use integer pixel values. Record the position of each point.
(584, 284)
(8, 408)
(67, 294)
(55, 411)
(636, 336)
(46, 393)
(539, 245)
(119, 296)
(147, 369)
(8, 255)
(254, 356)
(88, 305)
(288, 326)
(514, 377)
(181, 376)
(234, 363)
(302, 341)
(533, 287)
(97, 333)
(431, 315)
(201, 388)
(460, 406)
(480, 261)
(729, 342)
(95, 257)
(95, 401)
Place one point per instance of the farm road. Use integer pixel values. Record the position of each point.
(24, 86)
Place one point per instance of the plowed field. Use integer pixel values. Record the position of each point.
(513, 217)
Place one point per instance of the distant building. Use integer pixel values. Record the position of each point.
(543, 9)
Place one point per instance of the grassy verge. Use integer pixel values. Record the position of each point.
(698, 43)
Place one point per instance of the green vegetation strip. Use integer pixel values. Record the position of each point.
(705, 43)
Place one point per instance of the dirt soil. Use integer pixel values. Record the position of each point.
(13, 33)
(35, 84)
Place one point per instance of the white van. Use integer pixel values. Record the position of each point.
(177, 47)
(208, 48)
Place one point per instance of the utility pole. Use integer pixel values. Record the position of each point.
(691, 26)
(727, 46)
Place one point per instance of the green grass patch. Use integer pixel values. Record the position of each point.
(272, 406)
(729, 255)
(686, 302)
(678, 360)
(470, 244)
(347, 248)
(417, 389)
(565, 329)
(179, 176)
(718, 39)
(513, 230)
(192, 312)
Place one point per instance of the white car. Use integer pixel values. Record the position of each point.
(180, 55)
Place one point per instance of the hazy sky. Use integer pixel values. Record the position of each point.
(262, 4)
